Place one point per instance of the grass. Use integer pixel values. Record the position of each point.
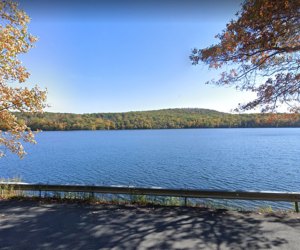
(267, 209)
(7, 192)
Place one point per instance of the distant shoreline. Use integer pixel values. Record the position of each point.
(156, 119)
(140, 129)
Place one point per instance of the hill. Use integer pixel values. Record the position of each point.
(156, 119)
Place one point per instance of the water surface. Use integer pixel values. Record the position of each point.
(234, 159)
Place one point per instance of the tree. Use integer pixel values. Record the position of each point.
(262, 50)
(14, 41)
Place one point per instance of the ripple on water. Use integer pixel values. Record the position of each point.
(247, 159)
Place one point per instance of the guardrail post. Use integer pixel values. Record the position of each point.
(92, 195)
(296, 207)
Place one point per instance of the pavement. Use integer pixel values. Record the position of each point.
(37, 225)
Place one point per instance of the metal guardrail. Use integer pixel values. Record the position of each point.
(185, 193)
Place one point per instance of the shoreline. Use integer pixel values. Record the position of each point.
(141, 203)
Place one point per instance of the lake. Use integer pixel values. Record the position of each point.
(244, 159)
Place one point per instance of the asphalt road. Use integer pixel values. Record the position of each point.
(33, 225)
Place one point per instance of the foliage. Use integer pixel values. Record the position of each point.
(157, 119)
(14, 41)
(7, 191)
(262, 49)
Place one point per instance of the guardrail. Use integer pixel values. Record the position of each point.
(185, 193)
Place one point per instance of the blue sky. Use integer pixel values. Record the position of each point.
(96, 56)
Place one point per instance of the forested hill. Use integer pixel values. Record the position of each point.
(156, 119)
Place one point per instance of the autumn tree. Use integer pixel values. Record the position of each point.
(14, 97)
(261, 51)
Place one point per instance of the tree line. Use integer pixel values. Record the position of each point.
(157, 119)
